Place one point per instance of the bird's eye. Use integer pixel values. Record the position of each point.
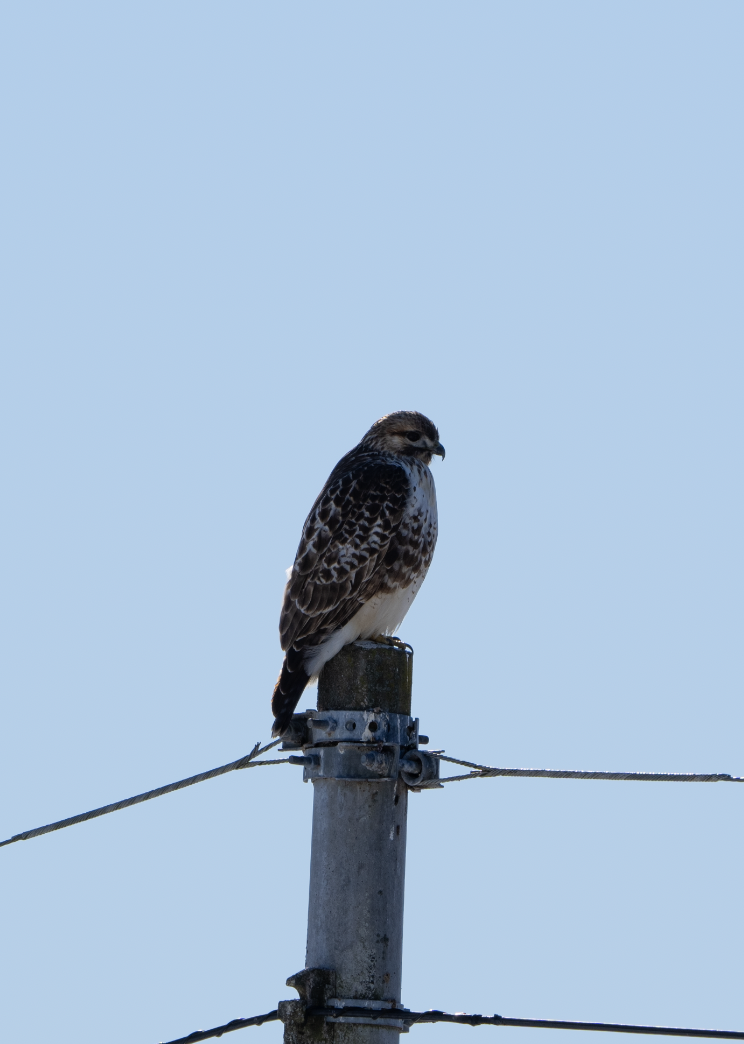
(412, 436)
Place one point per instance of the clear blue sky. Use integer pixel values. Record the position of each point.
(235, 234)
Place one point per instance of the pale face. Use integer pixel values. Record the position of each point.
(406, 434)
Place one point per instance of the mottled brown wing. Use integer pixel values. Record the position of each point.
(348, 548)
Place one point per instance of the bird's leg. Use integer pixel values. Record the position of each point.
(386, 639)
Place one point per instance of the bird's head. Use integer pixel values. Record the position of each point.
(406, 434)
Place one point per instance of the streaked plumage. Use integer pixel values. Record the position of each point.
(365, 549)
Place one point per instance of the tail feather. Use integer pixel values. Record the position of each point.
(290, 685)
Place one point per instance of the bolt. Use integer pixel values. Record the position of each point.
(323, 724)
(372, 726)
(423, 739)
(351, 725)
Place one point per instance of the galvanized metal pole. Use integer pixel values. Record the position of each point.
(358, 744)
(358, 860)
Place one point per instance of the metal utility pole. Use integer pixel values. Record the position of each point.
(360, 749)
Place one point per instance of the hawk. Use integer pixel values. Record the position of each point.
(365, 549)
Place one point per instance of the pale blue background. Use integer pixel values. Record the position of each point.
(233, 235)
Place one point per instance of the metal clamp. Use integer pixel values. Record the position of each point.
(361, 761)
(417, 766)
(372, 745)
(373, 726)
(372, 1005)
(368, 726)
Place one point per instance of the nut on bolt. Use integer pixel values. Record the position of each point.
(417, 767)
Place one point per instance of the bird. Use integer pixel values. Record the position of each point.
(365, 549)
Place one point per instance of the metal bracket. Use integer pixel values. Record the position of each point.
(372, 745)
(372, 726)
(314, 986)
(314, 727)
(372, 1005)
(359, 761)
(297, 736)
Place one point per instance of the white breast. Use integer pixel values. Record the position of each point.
(423, 500)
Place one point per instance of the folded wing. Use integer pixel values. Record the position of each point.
(348, 551)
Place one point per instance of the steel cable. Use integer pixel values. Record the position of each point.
(488, 771)
(236, 1024)
(412, 1018)
(245, 762)
(415, 1018)
(478, 772)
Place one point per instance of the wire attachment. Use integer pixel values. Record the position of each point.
(248, 761)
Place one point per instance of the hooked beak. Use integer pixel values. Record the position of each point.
(438, 450)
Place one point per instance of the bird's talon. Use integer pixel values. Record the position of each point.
(390, 640)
